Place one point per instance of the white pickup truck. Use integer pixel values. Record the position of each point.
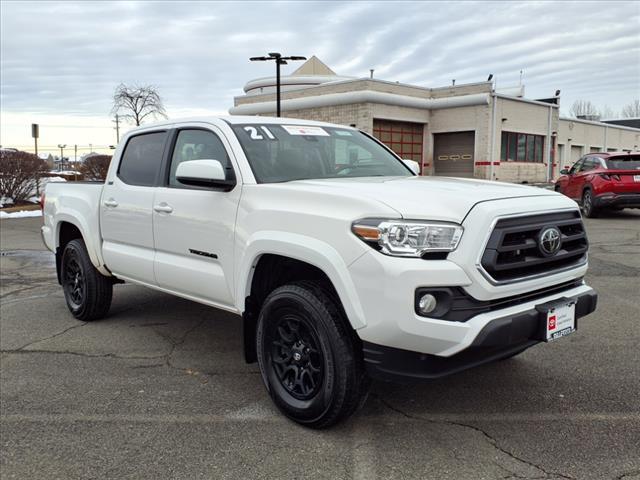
(343, 263)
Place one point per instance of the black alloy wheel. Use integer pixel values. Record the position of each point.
(87, 292)
(74, 282)
(296, 357)
(310, 358)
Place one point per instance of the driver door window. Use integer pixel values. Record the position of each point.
(198, 145)
(576, 167)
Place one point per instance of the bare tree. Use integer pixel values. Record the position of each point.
(95, 167)
(19, 174)
(607, 113)
(632, 110)
(137, 102)
(581, 108)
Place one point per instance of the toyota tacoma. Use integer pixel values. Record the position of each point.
(343, 263)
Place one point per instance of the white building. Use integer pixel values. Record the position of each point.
(468, 130)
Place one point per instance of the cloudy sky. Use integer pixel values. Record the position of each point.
(61, 61)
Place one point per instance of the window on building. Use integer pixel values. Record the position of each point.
(142, 158)
(521, 147)
(538, 147)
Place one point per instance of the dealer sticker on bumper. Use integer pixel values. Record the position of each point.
(561, 321)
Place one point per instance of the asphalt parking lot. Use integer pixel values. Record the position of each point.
(159, 390)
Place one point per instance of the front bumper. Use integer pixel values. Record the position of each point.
(499, 338)
(386, 286)
(617, 200)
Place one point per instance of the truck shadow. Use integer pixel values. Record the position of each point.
(209, 341)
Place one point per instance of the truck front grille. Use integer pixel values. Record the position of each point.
(514, 249)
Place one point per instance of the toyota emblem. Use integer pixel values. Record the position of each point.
(549, 241)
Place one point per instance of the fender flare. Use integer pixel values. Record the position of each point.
(305, 249)
(76, 220)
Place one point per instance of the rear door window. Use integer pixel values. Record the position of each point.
(142, 159)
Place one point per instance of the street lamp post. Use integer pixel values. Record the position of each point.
(280, 60)
(61, 147)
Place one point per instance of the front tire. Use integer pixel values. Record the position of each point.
(310, 359)
(87, 292)
(588, 209)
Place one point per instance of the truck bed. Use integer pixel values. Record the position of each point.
(79, 203)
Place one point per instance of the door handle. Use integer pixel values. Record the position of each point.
(110, 203)
(163, 208)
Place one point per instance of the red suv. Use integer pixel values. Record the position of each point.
(603, 180)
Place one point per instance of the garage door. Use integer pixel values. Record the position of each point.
(404, 138)
(576, 153)
(453, 154)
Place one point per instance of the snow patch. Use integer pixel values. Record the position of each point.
(21, 214)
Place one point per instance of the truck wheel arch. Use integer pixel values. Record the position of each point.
(67, 230)
(270, 271)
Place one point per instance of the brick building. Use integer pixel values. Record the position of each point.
(468, 130)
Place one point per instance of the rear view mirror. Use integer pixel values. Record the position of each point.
(203, 173)
(413, 165)
(564, 171)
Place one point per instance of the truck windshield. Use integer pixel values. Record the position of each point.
(281, 153)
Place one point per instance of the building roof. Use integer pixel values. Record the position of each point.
(313, 66)
(627, 122)
(600, 124)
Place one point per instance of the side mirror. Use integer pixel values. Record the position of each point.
(413, 165)
(203, 173)
(564, 171)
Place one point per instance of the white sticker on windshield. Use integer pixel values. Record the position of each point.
(253, 133)
(304, 130)
(343, 133)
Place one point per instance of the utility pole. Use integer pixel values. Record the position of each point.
(75, 153)
(35, 133)
(61, 147)
(280, 60)
(117, 122)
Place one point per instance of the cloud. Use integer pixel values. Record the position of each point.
(65, 58)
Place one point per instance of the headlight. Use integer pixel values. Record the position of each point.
(406, 238)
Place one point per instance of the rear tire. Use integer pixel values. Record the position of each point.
(588, 210)
(87, 292)
(310, 359)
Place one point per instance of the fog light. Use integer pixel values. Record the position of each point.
(427, 303)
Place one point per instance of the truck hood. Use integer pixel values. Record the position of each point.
(432, 198)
